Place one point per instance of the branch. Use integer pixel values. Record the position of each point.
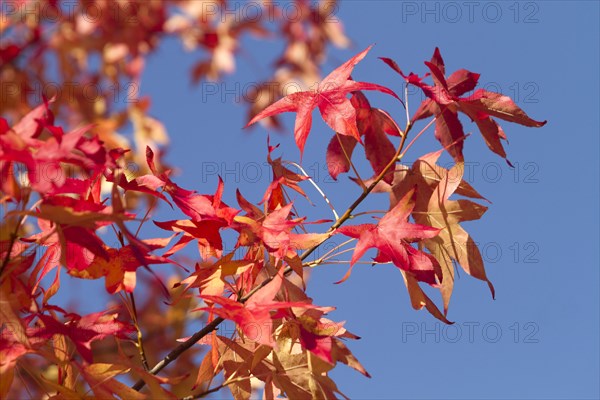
(177, 351)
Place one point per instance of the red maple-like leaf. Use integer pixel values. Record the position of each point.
(392, 237)
(120, 266)
(76, 256)
(275, 232)
(255, 317)
(75, 221)
(45, 158)
(318, 334)
(274, 196)
(330, 97)
(84, 330)
(205, 232)
(444, 103)
(197, 206)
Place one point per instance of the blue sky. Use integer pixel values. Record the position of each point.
(540, 338)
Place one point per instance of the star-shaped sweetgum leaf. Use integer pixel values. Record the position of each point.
(197, 206)
(83, 330)
(330, 96)
(392, 237)
(445, 101)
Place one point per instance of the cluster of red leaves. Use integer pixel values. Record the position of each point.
(77, 188)
(420, 192)
(72, 210)
(99, 48)
(444, 104)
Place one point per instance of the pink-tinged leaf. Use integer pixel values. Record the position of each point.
(275, 232)
(500, 106)
(120, 266)
(392, 237)
(85, 239)
(410, 78)
(374, 125)
(438, 61)
(319, 345)
(444, 102)
(250, 209)
(267, 293)
(192, 204)
(254, 317)
(150, 160)
(84, 330)
(425, 110)
(378, 148)
(196, 206)
(330, 98)
(31, 125)
(440, 81)
(339, 151)
(145, 184)
(181, 243)
(490, 130)
(355, 231)
(462, 81)
(318, 334)
(449, 131)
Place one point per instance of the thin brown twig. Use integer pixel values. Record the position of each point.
(177, 351)
(140, 341)
(150, 207)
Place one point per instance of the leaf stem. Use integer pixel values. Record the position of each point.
(406, 105)
(320, 260)
(348, 158)
(335, 214)
(150, 207)
(416, 137)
